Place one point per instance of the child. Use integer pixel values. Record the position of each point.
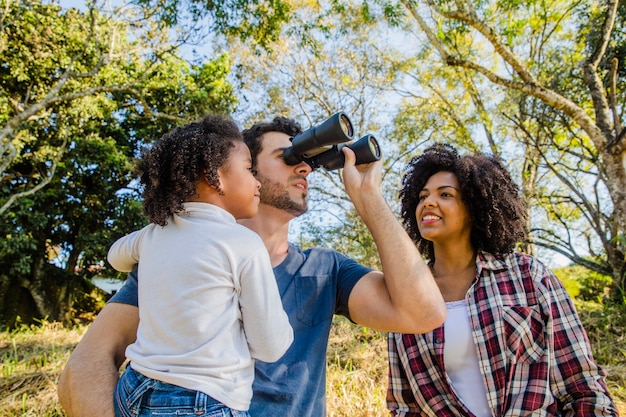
(208, 300)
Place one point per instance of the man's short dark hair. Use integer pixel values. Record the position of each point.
(252, 135)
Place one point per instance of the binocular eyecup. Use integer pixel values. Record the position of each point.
(321, 146)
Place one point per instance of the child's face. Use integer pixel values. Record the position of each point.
(241, 189)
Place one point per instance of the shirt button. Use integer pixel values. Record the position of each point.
(438, 341)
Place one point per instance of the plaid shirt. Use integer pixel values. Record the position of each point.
(533, 352)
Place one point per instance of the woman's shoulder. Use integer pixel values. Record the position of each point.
(515, 260)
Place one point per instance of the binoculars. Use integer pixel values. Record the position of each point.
(321, 145)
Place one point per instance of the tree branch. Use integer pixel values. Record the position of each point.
(47, 178)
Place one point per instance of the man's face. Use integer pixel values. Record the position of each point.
(282, 186)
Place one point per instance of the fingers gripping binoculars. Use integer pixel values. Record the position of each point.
(321, 145)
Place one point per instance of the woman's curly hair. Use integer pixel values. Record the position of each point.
(280, 124)
(170, 169)
(496, 210)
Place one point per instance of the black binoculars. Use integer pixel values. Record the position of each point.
(321, 145)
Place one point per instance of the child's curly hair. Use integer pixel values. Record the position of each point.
(496, 210)
(279, 124)
(170, 169)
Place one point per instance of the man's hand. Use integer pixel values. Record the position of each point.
(361, 181)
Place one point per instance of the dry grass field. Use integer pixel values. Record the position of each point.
(33, 357)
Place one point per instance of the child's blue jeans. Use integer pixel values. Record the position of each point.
(139, 396)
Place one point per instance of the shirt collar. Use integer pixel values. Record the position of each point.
(490, 262)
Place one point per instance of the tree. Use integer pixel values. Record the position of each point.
(558, 62)
(535, 83)
(80, 96)
(326, 60)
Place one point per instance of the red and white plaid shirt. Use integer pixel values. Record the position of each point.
(533, 352)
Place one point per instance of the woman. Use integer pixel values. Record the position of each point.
(512, 343)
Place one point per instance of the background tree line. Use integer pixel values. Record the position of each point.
(83, 89)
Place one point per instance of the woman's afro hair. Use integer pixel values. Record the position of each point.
(497, 212)
(170, 169)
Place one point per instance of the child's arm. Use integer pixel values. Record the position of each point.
(265, 322)
(124, 253)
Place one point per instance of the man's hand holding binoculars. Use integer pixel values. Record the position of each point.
(362, 181)
(329, 145)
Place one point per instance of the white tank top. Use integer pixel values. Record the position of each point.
(461, 360)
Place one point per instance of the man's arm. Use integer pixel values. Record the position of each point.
(404, 297)
(87, 383)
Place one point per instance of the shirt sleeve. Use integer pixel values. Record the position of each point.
(127, 294)
(124, 253)
(577, 381)
(266, 325)
(348, 274)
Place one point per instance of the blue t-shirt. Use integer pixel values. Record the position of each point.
(314, 284)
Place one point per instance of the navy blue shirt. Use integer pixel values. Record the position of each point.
(314, 284)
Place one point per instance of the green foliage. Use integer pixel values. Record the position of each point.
(584, 284)
(258, 21)
(569, 281)
(605, 326)
(393, 13)
(82, 95)
(87, 303)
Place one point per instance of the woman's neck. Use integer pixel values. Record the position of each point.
(454, 271)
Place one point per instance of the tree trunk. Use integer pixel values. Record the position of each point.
(16, 305)
(42, 295)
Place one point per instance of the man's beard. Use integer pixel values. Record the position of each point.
(274, 194)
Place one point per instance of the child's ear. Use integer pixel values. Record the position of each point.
(206, 183)
(220, 186)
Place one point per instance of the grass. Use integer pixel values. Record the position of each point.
(33, 357)
(32, 360)
(357, 363)
(356, 378)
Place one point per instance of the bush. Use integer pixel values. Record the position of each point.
(583, 284)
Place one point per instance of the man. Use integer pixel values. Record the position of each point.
(314, 285)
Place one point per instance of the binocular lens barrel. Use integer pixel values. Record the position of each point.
(373, 150)
(317, 139)
(320, 146)
(366, 150)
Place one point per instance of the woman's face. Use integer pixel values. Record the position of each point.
(441, 214)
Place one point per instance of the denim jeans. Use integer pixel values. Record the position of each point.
(139, 396)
